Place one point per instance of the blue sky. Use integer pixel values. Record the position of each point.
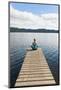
(35, 8)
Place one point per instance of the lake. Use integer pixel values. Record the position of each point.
(19, 42)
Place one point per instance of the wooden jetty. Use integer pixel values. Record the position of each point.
(35, 70)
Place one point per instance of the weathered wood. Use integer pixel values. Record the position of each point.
(33, 83)
(35, 70)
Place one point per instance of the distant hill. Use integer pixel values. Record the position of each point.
(12, 29)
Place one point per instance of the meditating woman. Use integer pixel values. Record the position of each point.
(34, 45)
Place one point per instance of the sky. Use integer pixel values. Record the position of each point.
(34, 16)
(35, 8)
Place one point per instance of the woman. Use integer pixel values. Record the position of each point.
(34, 45)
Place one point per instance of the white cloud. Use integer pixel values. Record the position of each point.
(23, 19)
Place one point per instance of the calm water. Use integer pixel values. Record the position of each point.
(20, 41)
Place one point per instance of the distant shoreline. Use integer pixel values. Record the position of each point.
(12, 29)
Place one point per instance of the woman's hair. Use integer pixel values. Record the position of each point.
(34, 39)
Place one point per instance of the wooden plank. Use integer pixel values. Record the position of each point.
(35, 75)
(33, 83)
(34, 79)
(35, 70)
(36, 66)
(43, 72)
(46, 69)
